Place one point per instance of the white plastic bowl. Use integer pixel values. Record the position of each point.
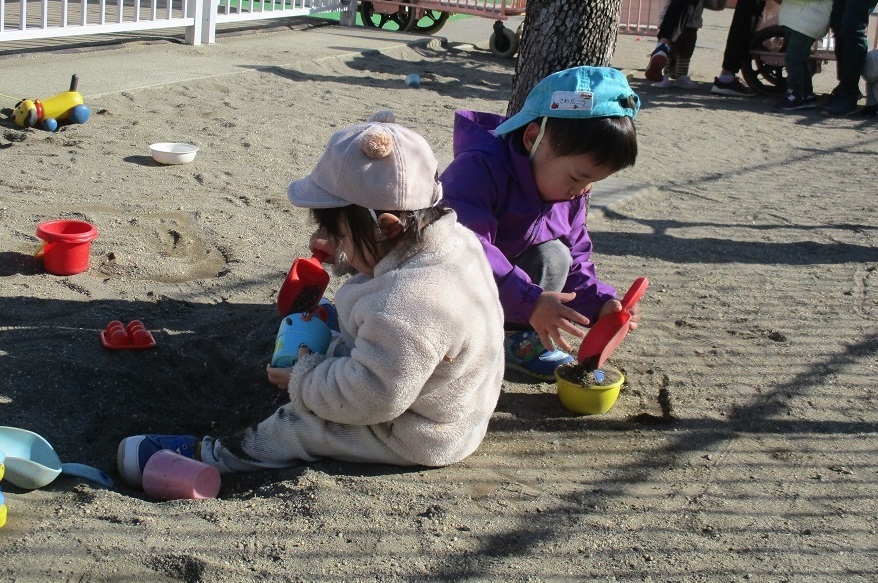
(172, 153)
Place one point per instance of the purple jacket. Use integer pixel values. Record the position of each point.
(492, 188)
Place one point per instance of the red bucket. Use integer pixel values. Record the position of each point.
(66, 246)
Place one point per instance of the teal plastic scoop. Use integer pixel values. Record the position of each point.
(32, 463)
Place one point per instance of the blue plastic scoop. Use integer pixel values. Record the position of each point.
(32, 463)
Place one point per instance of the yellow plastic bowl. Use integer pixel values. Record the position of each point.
(2, 466)
(591, 399)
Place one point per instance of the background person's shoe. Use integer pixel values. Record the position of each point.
(733, 88)
(657, 61)
(665, 83)
(135, 451)
(685, 82)
(791, 102)
(525, 353)
(841, 105)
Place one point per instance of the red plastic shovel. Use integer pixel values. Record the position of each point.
(608, 332)
(304, 285)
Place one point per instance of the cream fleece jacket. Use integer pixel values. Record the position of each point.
(420, 357)
(809, 17)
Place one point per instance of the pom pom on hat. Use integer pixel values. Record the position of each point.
(376, 165)
(376, 142)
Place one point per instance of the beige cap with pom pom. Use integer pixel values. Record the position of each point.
(379, 165)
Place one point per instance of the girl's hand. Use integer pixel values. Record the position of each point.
(279, 377)
(321, 241)
(550, 317)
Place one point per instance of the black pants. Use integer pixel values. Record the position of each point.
(744, 20)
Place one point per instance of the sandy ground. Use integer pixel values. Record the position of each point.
(756, 229)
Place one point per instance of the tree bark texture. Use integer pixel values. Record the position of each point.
(559, 34)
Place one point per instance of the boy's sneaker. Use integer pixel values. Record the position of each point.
(685, 82)
(135, 451)
(791, 102)
(525, 353)
(733, 88)
(657, 61)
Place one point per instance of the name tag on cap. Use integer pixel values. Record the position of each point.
(572, 100)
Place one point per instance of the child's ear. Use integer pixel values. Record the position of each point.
(390, 225)
(530, 135)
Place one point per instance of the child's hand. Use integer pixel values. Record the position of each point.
(550, 317)
(321, 241)
(616, 306)
(280, 377)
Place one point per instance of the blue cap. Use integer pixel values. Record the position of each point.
(577, 93)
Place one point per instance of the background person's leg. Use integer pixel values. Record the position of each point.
(744, 20)
(855, 44)
(800, 92)
(684, 48)
(674, 20)
(849, 20)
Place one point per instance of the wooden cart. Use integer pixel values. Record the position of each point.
(428, 16)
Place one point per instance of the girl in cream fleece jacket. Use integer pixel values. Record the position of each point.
(416, 371)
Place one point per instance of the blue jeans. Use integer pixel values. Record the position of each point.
(849, 20)
(797, 61)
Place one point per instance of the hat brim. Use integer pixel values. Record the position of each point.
(307, 194)
(518, 120)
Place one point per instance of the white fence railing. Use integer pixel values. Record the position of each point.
(36, 19)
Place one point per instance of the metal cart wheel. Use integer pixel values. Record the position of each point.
(503, 42)
(764, 69)
(427, 21)
(399, 20)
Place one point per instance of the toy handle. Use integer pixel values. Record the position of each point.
(319, 255)
(87, 472)
(42, 249)
(634, 293)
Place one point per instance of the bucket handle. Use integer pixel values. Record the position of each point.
(42, 249)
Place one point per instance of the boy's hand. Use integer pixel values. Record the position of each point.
(612, 306)
(550, 317)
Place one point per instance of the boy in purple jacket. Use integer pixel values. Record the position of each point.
(522, 185)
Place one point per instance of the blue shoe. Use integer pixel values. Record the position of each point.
(525, 353)
(657, 61)
(135, 451)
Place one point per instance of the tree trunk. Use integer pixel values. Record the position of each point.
(559, 34)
